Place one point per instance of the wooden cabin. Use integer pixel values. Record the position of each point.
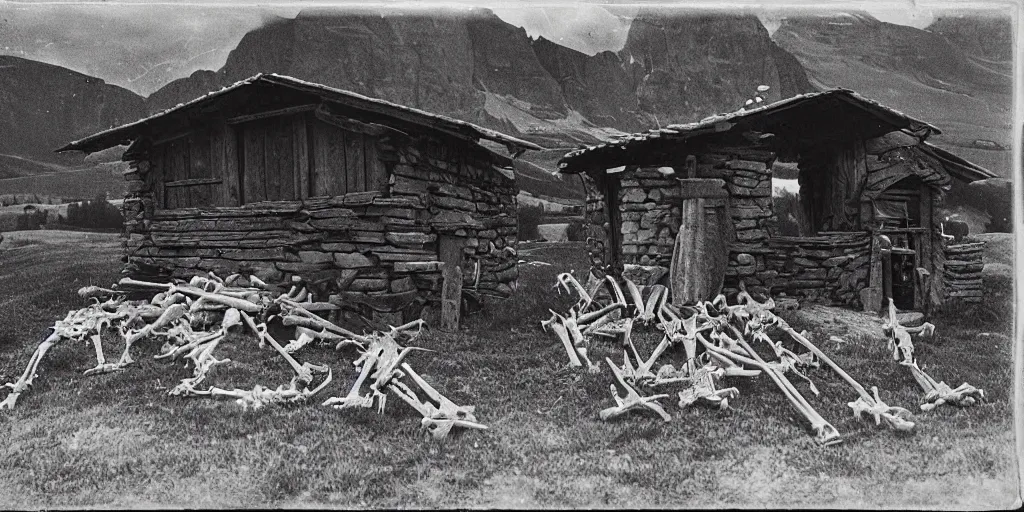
(376, 205)
(692, 205)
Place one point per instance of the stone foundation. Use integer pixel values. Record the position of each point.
(830, 268)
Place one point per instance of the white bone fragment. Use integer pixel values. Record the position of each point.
(632, 400)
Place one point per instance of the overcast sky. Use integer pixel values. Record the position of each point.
(138, 44)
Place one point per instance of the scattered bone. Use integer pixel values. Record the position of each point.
(182, 315)
(632, 400)
(825, 433)
(439, 419)
(703, 389)
(727, 354)
(77, 325)
(381, 368)
(936, 393)
(896, 417)
(377, 366)
(96, 292)
(260, 396)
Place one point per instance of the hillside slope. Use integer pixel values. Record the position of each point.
(43, 107)
(918, 72)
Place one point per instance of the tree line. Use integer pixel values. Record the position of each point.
(96, 213)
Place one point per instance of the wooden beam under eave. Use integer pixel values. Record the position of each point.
(271, 113)
(323, 113)
(138, 150)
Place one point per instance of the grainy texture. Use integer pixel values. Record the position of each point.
(120, 441)
(378, 205)
(962, 276)
(848, 192)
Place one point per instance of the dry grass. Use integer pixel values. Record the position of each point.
(81, 239)
(120, 441)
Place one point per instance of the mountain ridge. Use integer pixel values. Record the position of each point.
(43, 106)
(478, 68)
(484, 70)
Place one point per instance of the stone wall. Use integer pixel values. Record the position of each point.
(469, 196)
(650, 215)
(378, 249)
(830, 268)
(962, 274)
(748, 176)
(595, 215)
(647, 202)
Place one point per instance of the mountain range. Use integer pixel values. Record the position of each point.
(956, 74)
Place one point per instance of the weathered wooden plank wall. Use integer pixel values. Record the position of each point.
(344, 161)
(279, 158)
(378, 247)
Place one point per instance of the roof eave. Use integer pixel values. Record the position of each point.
(128, 132)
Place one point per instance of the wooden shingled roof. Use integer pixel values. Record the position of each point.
(797, 122)
(125, 134)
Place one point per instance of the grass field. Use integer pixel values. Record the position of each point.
(120, 441)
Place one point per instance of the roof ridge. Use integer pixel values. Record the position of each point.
(121, 134)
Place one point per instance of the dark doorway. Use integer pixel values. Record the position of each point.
(903, 279)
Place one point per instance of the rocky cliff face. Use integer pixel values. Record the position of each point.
(420, 61)
(504, 63)
(476, 67)
(599, 85)
(43, 107)
(688, 67)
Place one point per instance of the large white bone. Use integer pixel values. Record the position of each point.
(896, 417)
(940, 393)
(260, 396)
(569, 283)
(297, 315)
(25, 382)
(172, 313)
(221, 298)
(825, 433)
(438, 420)
(936, 392)
(703, 389)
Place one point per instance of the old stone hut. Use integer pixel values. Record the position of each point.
(870, 191)
(374, 203)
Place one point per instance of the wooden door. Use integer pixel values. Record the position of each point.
(701, 252)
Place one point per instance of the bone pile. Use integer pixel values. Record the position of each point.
(192, 319)
(716, 339)
(936, 393)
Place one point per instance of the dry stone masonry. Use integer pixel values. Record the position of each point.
(650, 214)
(831, 267)
(376, 249)
(962, 275)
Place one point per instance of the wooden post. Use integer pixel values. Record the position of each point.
(886, 275)
(690, 167)
(701, 252)
(450, 253)
(871, 297)
(451, 298)
(613, 247)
